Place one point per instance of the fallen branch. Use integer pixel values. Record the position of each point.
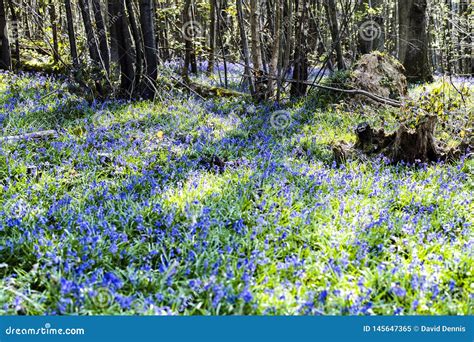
(40, 135)
(371, 96)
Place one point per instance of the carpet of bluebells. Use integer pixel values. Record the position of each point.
(127, 212)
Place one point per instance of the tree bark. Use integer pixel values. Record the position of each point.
(71, 34)
(372, 27)
(54, 28)
(331, 11)
(300, 65)
(138, 43)
(101, 34)
(256, 49)
(5, 54)
(120, 33)
(413, 52)
(212, 35)
(245, 46)
(274, 70)
(147, 22)
(16, 35)
(91, 42)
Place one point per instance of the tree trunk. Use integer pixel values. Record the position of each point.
(256, 49)
(212, 35)
(189, 30)
(221, 43)
(372, 26)
(114, 55)
(413, 51)
(245, 45)
(71, 34)
(119, 32)
(138, 43)
(54, 28)
(300, 67)
(274, 70)
(16, 35)
(147, 22)
(101, 34)
(5, 55)
(331, 11)
(466, 42)
(91, 42)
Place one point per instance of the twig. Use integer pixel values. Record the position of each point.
(29, 136)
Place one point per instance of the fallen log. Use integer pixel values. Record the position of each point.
(210, 91)
(40, 135)
(205, 91)
(410, 145)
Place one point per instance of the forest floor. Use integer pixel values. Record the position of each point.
(191, 206)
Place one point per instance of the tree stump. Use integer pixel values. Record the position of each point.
(409, 145)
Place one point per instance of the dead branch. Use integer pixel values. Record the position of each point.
(40, 135)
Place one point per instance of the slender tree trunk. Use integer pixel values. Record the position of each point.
(274, 62)
(71, 34)
(221, 43)
(212, 35)
(414, 40)
(101, 34)
(16, 34)
(91, 42)
(147, 22)
(114, 55)
(138, 43)
(256, 49)
(5, 55)
(288, 46)
(467, 47)
(188, 35)
(331, 11)
(54, 29)
(119, 31)
(245, 46)
(300, 67)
